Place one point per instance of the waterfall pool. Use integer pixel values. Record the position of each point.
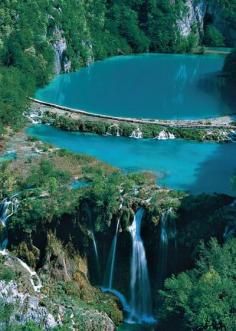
(179, 164)
(164, 86)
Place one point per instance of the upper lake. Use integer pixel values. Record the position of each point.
(143, 86)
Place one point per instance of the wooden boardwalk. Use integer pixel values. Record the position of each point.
(213, 123)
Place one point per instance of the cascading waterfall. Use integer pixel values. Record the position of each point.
(140, 303)
(95, 247)
(167, 240)
(137, 134)
(113, 129)
(108, 283)
(6, 211)
(96, 256)
(164, 243)
(8, 207)
(120, 296)
(33, 275)
(91, 229)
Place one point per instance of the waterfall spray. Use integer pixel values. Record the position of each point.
(95, 252)
(8, 207)
(108, 283)
(168, 235)
(140, 303)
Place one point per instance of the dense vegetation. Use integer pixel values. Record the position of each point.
(204, 297)
(30, 31)
(107, 127)
(200, 299)
(64, 218)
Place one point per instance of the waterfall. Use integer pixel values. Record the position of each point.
(5, 212)
(164, 135)
(164, 243)
(3, 246)
(95, 247)
(167, 241)
(95, 252)
(120, 296)
(113, 129)
(37, 287)
(108, 283)
(137, 134)
(91, 233)
(140, 303)
(8, 207)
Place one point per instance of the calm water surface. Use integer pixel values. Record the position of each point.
(144, 86)
(197, 167)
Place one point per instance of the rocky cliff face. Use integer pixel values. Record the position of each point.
(62, 63)
(65, 297)
(193, 17)
(198, 13)
(81, 38)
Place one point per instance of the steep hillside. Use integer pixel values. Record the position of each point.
(41, 38)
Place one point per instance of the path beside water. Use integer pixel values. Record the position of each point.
(226, 122)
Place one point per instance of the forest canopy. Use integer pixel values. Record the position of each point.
(92, 30)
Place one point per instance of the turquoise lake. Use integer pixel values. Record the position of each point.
(143, 86)
(187, 165)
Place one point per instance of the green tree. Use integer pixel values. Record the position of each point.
(204, 298)
(213, 37)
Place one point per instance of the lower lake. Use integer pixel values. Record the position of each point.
(179, 164)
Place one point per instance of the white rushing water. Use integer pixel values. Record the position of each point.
(137, 134)
(95, 246)
(108, 283)
(96, 256)
(120, 296)
(141, 302)
(164, 243)
(109, 275)
(37, 285)
(7, 208)
(168, 235)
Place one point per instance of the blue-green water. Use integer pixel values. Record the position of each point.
(144, 86)
(197, 167)
(11, 155)
(77, 184)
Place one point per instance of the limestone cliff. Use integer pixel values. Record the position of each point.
(200, 13)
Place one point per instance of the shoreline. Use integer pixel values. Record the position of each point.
(211, 122)
(219, 129)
